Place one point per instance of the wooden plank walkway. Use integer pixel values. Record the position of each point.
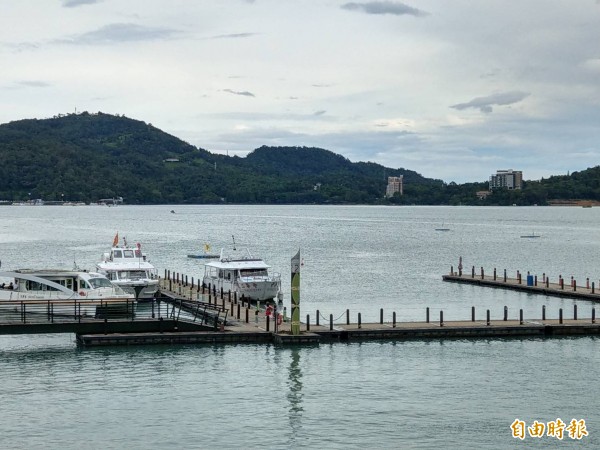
(529, 284)
(245, 326)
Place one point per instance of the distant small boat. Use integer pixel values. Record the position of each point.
(442, 228)
(530, 236)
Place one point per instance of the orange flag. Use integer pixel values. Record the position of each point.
(116, 240)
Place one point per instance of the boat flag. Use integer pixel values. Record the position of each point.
(296, 294)
(116, 240)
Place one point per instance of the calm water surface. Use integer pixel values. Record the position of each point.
(454, 393)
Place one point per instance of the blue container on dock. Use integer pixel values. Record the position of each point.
(529, 280)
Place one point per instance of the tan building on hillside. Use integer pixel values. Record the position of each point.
(508, 179)
(394, 185)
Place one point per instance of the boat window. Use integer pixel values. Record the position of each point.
(128, 253)
(35, 286)
(117, 253)
(254, 273)
(132, 274)
(83, 285)
(99, 283)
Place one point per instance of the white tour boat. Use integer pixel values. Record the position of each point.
(63, 292)
(129, 268)
(240, 272)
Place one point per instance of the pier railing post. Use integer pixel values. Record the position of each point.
(587, 283)
(347, 317)
(381, 316)
(521, 317)
(487, 317)
(427, 315)
(593, 315)
(473, 272)
(574, 286)
(560, 316)
(330, 322)
(482, 276)
(359, 321)
(394, 319)
(535, 281)
(574, 312)
(247, 315)
(308, 322)
(505, 313)
(543, 312)
(318, 314)
(505, 275)
(547, 282)
(268, 322)
(592, 287)
(441, 318)
(472, 314)
(494, 274)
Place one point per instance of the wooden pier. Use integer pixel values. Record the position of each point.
(246, 323)
(528, 283)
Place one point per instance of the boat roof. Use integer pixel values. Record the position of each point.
(238, 260)
(43, 273)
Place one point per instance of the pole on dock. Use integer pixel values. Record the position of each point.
(268, 322)
(574, 286)
(592, 287)
(547, 282)
(381, 316)
(473, 272)
(487, 316)
(560, 316)
(427, 315)
(347, 317)
(521, 317)
(505, 275)
(318, 314)
(535, 281)
(472, 314)
(308, 322)
(543, 312)
(482, 276)
(359, 321)
(505, 313)
(441, 318)
(394, 319)
(247, 315)
(574, 312)
(587, 283)
(561, 281)
(238, 311)
(494, 274)
(330, 322)
(593, 315)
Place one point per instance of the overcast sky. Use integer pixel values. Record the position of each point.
(451, 89)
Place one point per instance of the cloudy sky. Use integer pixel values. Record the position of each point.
(451, 89)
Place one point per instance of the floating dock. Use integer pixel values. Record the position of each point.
(529, 283)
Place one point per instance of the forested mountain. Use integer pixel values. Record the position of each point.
(87, 157)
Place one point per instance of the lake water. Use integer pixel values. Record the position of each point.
(413, 394)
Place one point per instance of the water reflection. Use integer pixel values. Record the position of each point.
(295, 395)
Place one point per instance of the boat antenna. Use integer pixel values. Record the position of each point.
(233, 237)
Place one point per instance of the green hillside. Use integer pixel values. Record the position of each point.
(86, 157)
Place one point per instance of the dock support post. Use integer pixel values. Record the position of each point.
(487, 317)
(519, 274)
(308, 322)
(472, 314)
(505, 275)
(521, 317)
(482, 276)
(268, 322)
(238, 311)
(394, 319)
(543, 312)
(587, 282)
(505, 313)
(247, 315)
(494, 274)
(561, 282)
(473, 272)
(560, 316)
(318, 314)
(574, 286)
(381, 316)
(347, 317)
(427, 315)
(535, 281)
(441, 318)
(547, 282)
(330, 322)
(451, 270)
(592, 287)
(593, 315)
(359, 321)
(574, 312)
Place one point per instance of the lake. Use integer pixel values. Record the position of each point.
(404, 394)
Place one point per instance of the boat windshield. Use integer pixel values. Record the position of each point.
(132, 274)
(254, 273)
(99, 283)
